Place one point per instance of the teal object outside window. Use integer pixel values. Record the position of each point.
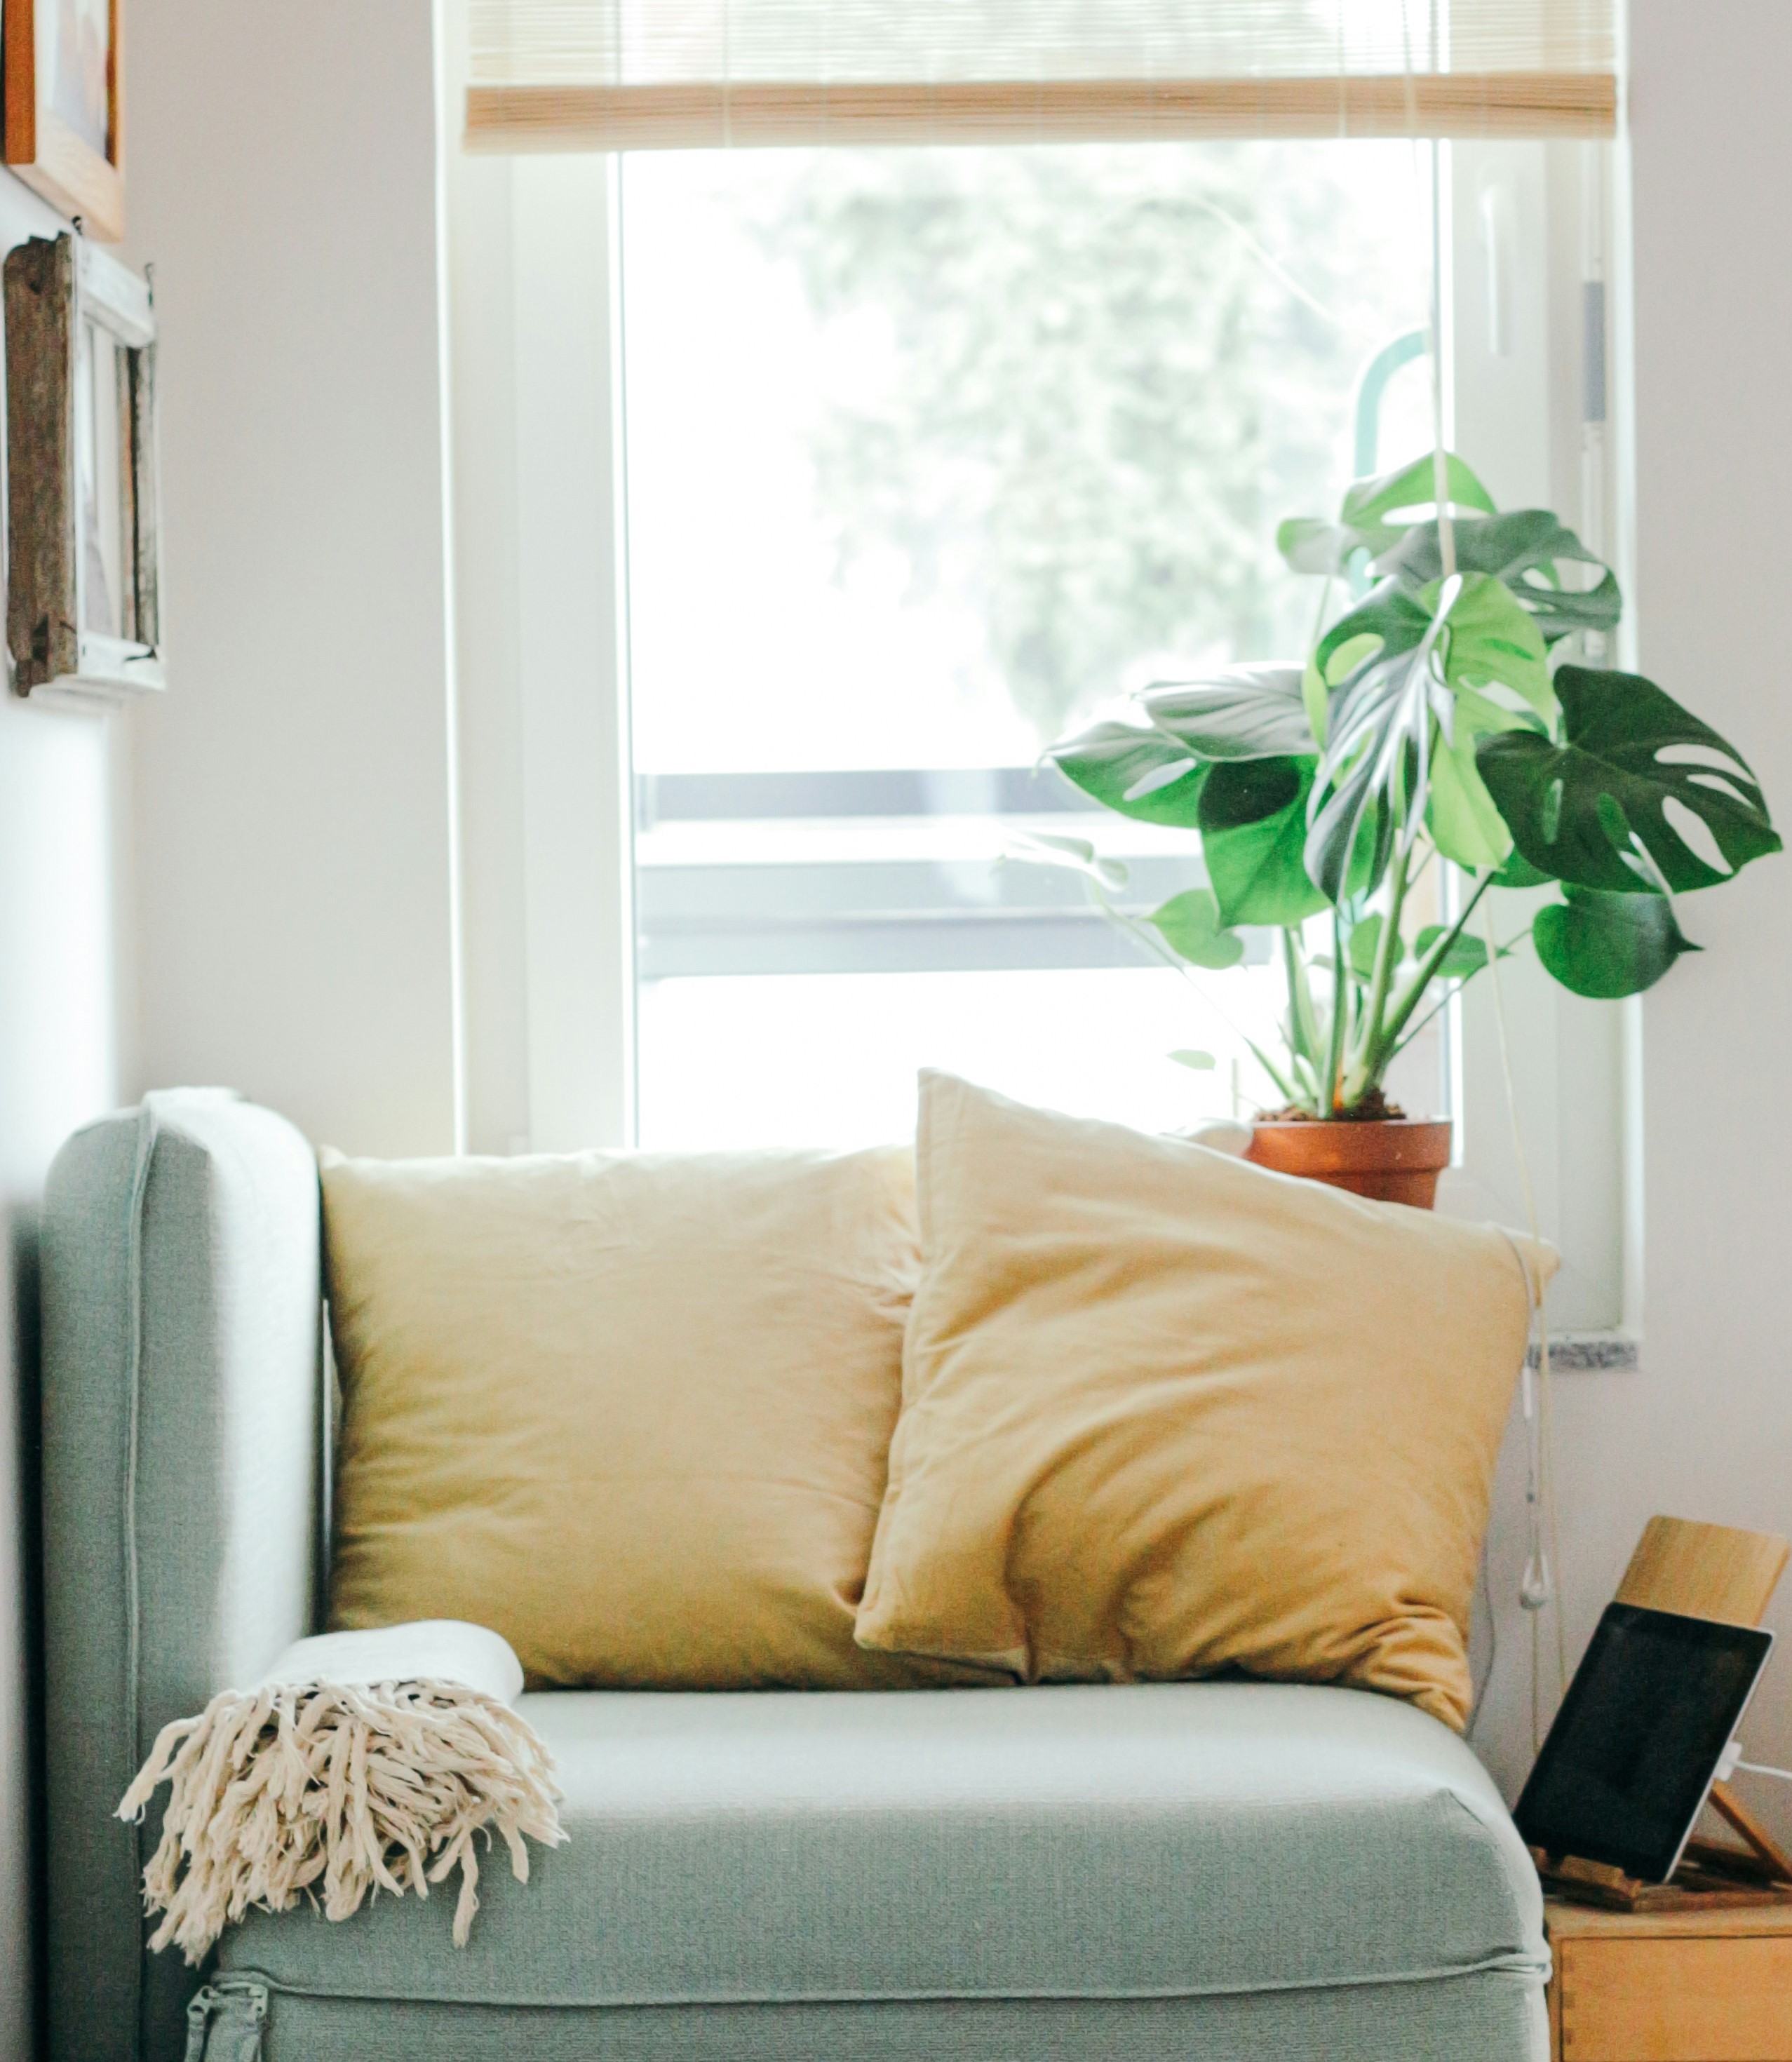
(1371, 390)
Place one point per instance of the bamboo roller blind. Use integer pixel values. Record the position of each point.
(647, 74)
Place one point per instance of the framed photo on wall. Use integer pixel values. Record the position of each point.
(64, 107)
(83, 517)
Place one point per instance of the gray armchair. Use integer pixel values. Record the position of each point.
(1246, 1872)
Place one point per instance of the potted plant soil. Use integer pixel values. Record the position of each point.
(1439, 724)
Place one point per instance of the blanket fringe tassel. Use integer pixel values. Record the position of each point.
(334, 1794)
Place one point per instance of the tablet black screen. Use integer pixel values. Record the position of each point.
(1638, 1737)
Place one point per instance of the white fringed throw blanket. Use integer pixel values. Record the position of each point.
(361, 1762)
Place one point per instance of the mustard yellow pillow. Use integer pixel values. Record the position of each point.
(631, 1411)
(1165, 1413)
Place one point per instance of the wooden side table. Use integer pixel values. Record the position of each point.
(1671, 1986)
(1687, 1984)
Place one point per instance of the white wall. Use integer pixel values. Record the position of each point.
(293, 819)
(64, 1031)
(1706, 1430)
(290, 854)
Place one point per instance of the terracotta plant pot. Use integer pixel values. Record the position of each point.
(1395, 1159)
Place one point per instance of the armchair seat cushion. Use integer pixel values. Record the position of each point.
(1113, 1842)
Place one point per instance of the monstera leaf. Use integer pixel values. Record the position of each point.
(1591, 809)
(1142, 773)
(1364, 942)
(1245, 713)
(1386, 622)
(1494, 665)
(1465, 825)
(1190, 925)
(1518, 871)
(1464, 956)
(1379, 720)
(1607, 945)
(1490, 642)
(1523, 551)
(1311, 545)
(1253, 833)
(1442, 668)
(1074, 855)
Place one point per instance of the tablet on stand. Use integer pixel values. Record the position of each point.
(1634, 1757)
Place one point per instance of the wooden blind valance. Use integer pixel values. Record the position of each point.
(658, 75)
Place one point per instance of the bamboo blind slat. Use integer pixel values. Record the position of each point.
(644, 74)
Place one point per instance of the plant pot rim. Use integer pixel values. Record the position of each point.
(1351, 1123)
(1347, 1144)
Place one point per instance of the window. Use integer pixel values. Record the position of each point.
(928, 452)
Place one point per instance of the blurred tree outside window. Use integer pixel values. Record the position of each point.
(1098, 386)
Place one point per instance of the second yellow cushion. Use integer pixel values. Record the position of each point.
(1165, 1413)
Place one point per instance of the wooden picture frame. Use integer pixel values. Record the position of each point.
(65, 106)
(83, 604)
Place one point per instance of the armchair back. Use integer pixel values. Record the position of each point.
(184, 1497)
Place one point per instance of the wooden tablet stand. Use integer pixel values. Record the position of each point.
(1711, 1571)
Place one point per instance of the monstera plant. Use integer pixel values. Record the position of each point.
(1439, 717)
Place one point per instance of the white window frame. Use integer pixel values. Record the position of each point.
(543, 774)
(1531, 231)
(536, 373)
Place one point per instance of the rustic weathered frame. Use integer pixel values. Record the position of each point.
(57, 292)
(42, 148)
